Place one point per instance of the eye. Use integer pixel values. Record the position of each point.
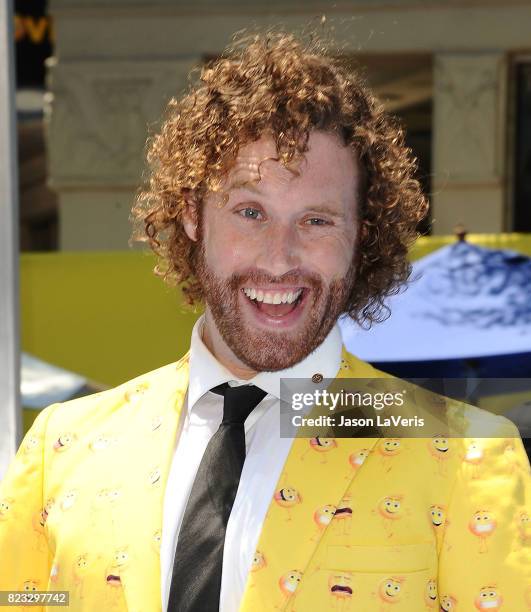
(249, 213)
(318, 220)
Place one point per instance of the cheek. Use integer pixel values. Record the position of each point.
(227, 250)
(330, 254)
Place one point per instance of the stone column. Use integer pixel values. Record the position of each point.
(469, 130)
(99, 113)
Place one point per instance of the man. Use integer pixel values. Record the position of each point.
(282, 196)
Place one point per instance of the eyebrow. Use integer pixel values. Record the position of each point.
(329, 210)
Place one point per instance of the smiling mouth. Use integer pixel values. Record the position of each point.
(291, 300)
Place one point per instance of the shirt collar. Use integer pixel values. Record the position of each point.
(207, 372)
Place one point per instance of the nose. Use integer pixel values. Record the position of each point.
(281, 249)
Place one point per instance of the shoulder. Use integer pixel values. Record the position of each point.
(88, 412)
(465, 420)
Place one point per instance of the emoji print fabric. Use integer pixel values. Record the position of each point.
(354, 524)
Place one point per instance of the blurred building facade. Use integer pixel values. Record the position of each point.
(456, 72)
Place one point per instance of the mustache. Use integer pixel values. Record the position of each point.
(258, 277)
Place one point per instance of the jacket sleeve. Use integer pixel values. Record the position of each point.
(24, 556)
(485, 555)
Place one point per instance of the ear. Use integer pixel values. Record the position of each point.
(190, 216)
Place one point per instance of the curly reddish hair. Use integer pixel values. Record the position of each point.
(274, 83)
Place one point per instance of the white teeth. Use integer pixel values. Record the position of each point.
(273, 297)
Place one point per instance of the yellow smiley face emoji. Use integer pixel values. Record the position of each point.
(390, 589)
(390, 447)
(440, 445)
(390, 507)
(437, 515)
(289, 582)
(488, 599)
(431, 593)
(287, 497)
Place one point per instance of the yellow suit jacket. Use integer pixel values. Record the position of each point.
(365, 524)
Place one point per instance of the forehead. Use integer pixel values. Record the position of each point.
(328, 166)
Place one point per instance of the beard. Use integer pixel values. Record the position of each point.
(270, 351)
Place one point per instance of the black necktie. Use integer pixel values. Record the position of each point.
(196, 579)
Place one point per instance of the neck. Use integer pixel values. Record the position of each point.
(216, 345)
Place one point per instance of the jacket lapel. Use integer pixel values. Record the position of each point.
(146, 458)
(313, 482)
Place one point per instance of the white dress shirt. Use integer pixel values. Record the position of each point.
(266, 453)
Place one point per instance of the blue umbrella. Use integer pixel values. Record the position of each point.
(464, 302)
